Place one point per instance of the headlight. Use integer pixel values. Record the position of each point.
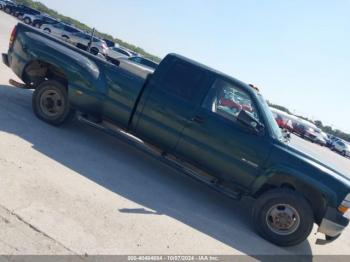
(345, 207)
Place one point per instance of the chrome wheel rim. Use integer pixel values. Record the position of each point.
(283, 219)
(52, 103)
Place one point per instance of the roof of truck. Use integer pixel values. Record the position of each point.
(238, 82)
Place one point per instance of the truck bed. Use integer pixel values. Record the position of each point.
(94, 84)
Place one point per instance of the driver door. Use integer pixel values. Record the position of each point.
(217, 143)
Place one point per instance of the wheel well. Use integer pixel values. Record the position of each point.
(316, 199)
(36, 71)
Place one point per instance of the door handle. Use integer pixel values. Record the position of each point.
(198, 119)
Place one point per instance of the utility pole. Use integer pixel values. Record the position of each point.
(91, 39)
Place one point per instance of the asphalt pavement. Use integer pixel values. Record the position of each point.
(76, 190)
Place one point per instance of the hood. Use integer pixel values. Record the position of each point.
(315, 163)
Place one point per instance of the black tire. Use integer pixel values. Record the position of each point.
(47, 30)
(7, 10)
(27, 21)
(274, 201)
(50, 103)
(65, 38)
(344, 153)
(94, 51)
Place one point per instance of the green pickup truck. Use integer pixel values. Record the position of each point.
(213, 127)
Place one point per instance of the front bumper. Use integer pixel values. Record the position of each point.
(333, 224)
(5, 59)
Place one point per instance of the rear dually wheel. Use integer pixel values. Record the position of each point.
(50, 103)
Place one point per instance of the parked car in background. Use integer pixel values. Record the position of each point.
(136, 68)
(82, 41)
(116, 52)
(2, 4)
(332, 140)
(143, 61)
(29, 17)
(109, 43)
(284, 120)
(20, 10)
(342, 147)
(39, 20)
(60, 30)
(305, 129)
(9, 7)
(320, 139)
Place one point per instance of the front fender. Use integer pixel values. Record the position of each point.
(281, 174)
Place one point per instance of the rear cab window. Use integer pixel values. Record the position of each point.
(183, 80)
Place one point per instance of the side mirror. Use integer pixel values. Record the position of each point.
(249, 121)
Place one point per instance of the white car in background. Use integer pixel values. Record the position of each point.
(116, 52)
(76, 37)
(144, 62)
(60, 30)
(29, 18)
(342, 147)
(82, 40)
(137, 65)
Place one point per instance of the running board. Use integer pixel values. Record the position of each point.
(170, 160)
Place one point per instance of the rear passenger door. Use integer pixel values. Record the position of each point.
(170, 104)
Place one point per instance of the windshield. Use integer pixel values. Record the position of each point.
(276, 131)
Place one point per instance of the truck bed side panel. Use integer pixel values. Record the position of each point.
(94, 86)
(123, 90)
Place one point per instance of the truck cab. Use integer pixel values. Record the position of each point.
(183, 113)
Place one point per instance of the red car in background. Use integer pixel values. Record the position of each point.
(282, 121)
(230, 104)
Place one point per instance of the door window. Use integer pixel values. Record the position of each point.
(228, 100)
(183, 80)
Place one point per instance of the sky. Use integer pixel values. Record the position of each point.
(297, 52)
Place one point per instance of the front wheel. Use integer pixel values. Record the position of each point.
(50, 103)
(283, 217)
